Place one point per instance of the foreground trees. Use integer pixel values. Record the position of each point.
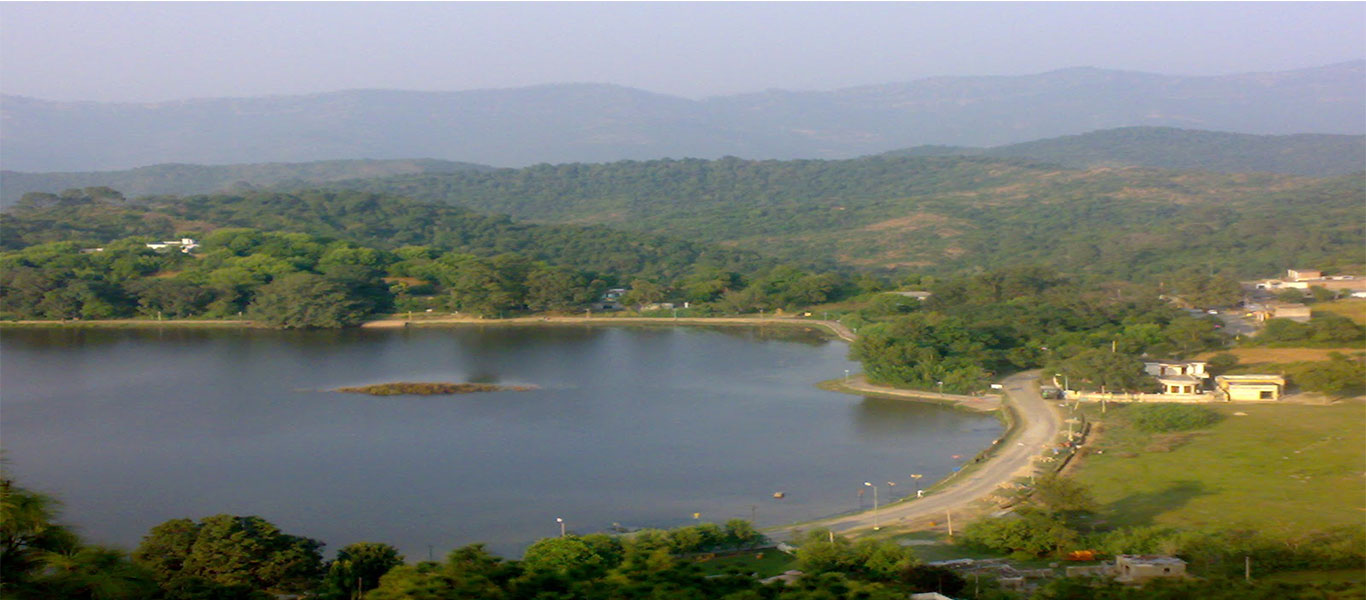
(232, 552)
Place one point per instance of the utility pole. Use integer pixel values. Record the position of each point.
(950, 514)
(1247, 568)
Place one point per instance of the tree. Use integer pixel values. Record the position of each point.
(1029, 532)
(566, 556)
(232, 551)
(305, 300)
(27, 534)
(357, 569)
(1057, 494)
(1106, 371)
(41, 559)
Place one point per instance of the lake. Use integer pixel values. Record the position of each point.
(637, 426)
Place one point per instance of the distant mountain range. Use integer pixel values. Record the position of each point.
(601, 123)
(1157, 147)
(1184, 149)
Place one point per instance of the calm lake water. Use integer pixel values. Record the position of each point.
(637, 426)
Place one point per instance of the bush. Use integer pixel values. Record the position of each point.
(1159, 418)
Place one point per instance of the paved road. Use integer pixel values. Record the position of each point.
(1040, 424)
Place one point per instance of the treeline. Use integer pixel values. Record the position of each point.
(228, 557)
(341, 257)
(974, 328)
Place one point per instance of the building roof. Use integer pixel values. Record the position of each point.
(1154, 361)
(1151, 559)
(1250, 379)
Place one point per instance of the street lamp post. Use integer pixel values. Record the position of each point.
(875, 523)
(846, 375)
(916, 477)
(941, 387)
(561, 522)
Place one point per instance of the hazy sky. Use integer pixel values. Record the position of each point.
(172, 50)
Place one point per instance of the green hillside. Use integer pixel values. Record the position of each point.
(183, 179)
(938, 214)
(1184, 149)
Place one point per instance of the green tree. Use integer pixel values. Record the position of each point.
(357, 569)
(1027, 533)
(233, 551)
(305, 300)
(1101, 369)
(1057, 494)
(564, 556)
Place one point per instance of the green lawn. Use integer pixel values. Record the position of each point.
(773, 563)
(1280, 469)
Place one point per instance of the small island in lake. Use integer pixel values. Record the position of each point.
(429, 389)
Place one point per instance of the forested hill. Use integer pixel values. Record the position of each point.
(938, 213)
(183, 179)
(599, 122)
(374, 220)
(1185, 149)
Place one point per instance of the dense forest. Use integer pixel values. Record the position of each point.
(939, 214)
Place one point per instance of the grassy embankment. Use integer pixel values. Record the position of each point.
(1278, 468)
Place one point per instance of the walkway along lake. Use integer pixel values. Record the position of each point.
(641, 426)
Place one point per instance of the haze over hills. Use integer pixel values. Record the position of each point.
(599, 123)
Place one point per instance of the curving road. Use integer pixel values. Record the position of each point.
(1039, 422)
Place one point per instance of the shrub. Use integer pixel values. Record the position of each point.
(1158, 418)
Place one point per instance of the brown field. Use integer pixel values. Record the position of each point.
(1249, 356)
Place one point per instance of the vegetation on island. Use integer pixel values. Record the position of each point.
(431, 389)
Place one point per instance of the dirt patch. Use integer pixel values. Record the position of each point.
(911, 222)
(1168, 442)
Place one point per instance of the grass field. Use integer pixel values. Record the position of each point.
(773, 562)
(1281, 469)
(1352, 309)
(1255, 355)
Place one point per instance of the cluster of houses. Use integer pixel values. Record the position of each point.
(1188, 381)
(1261, 307)
(1126, 568)
(183, 245)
